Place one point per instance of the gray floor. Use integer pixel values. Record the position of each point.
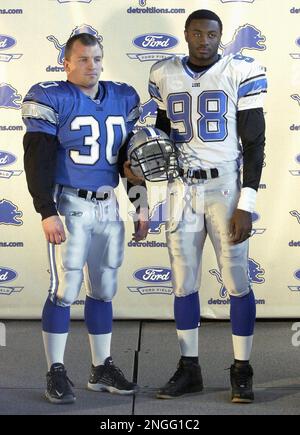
(149, 350)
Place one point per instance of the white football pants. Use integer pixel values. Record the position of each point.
(195, 210)
(93, 249)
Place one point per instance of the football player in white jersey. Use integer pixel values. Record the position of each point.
(212, 107)
(75, 147)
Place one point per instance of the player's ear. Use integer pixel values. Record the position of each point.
(66, 66)
(185, 35)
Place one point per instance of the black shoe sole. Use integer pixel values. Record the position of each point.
(109, 389)
(64, 401)
(169, 396)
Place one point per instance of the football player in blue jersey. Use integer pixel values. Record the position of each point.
(75, 148)
(212, 107)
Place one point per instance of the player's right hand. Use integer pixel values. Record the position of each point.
(54, 230)
(131, 177)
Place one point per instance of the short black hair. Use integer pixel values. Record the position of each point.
(85, 39)
(203, 14)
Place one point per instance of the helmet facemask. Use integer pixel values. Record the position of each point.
(155, 159)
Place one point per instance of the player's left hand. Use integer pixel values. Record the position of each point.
(133, 179)
(240, 226)
(141, 226)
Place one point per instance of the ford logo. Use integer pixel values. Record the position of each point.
(297, 274)
(6, 158)
(7, 274)
(298, 158)
(6, 42)
(153, 275)
(155, 41)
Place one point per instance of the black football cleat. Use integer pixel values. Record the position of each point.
(59, 389)
(186, 380)
(110, 378)
(241, 378)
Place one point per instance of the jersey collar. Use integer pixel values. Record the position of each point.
(195, 75)
(99, 96)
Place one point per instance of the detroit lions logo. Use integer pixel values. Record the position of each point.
(246, 37)
(295, 214)
(157, 218)
(148, 109)
(296, 97)
(84, 28)
(142, 2)
(255, 272)
(9, 213)
(9, 97)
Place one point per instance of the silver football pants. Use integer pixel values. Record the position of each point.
(198, 209)
(93, 250)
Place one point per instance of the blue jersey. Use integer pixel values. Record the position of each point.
(90, 132)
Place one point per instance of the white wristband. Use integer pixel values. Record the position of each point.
(247, 199)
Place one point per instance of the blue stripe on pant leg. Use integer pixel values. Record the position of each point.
(187, 311)
(242, 314)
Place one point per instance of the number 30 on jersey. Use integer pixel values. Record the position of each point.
(92, 140)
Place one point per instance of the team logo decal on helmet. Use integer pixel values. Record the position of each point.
(152, 155)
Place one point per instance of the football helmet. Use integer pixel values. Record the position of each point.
(152, 155)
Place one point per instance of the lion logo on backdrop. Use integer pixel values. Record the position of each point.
(296, 97)
(9, 97)
(148, 110)
(246, 37)
(255, 271)
(84, 28)
(9, 213)
(157, 218)
(295, 214)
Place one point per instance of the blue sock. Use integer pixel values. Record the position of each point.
(55, 319)
(187, 311)
(98, 316)
(242, 314)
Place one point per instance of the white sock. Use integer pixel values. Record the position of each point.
(100, 348)
(188, 341)
(242, 347)
(54, 345)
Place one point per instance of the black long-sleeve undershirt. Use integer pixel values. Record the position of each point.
(251, 130)
(40, 151)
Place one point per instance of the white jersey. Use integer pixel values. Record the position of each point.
(202, 107)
